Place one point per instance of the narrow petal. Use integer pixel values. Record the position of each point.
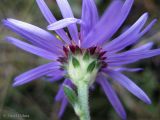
(35, 73)
(61, 97)
(91, 37)
(129, 85)
(121, 69)
(67, 13)
(128, 36)
(45, 11)
(142, 48)
(109, 23)
(35, 35)
(51, 19)
(131, 56)
(120, 19)
(63, 23)
(32, 49)
(148, 27)
(146, 46)
(56, 75)
(55, 78)
(63, 107)
(129, 39)
(112, 97)
(89, 16)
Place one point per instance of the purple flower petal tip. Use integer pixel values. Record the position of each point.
(8, 39)
(3, 21)
(148, 101)
(10, 20)
(111, 95)
(123, 116)
(14, 84)
(18, 83)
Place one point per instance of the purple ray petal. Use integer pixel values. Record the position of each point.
(45, 11)
(58, 72)
(51, 19)
(67, 13)
(60, 94)
(129, 85)
(139, 36)
(108, 15)
(130, 39)
(55, 78)
(109, 24)
(121, 69)
(63, 23)
(131, 56)
(120, 20)
(128, 36)
(148, 27)
(61, 97)
(56, 75)
(63, 107)
(35, 35)
(89, 17)
(112, 97)
(32, 49)
(36, 73)
(144, 47)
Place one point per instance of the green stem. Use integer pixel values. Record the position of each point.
(83, 100)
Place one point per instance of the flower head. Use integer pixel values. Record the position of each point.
(88, 55)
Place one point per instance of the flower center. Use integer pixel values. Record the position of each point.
(82, 65)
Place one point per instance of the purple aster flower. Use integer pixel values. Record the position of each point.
(87, 55)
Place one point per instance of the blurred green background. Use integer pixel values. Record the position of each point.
(36, 99)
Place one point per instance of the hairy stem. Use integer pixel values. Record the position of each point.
(83, 91)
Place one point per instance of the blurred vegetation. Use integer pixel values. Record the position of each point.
(36, 99)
